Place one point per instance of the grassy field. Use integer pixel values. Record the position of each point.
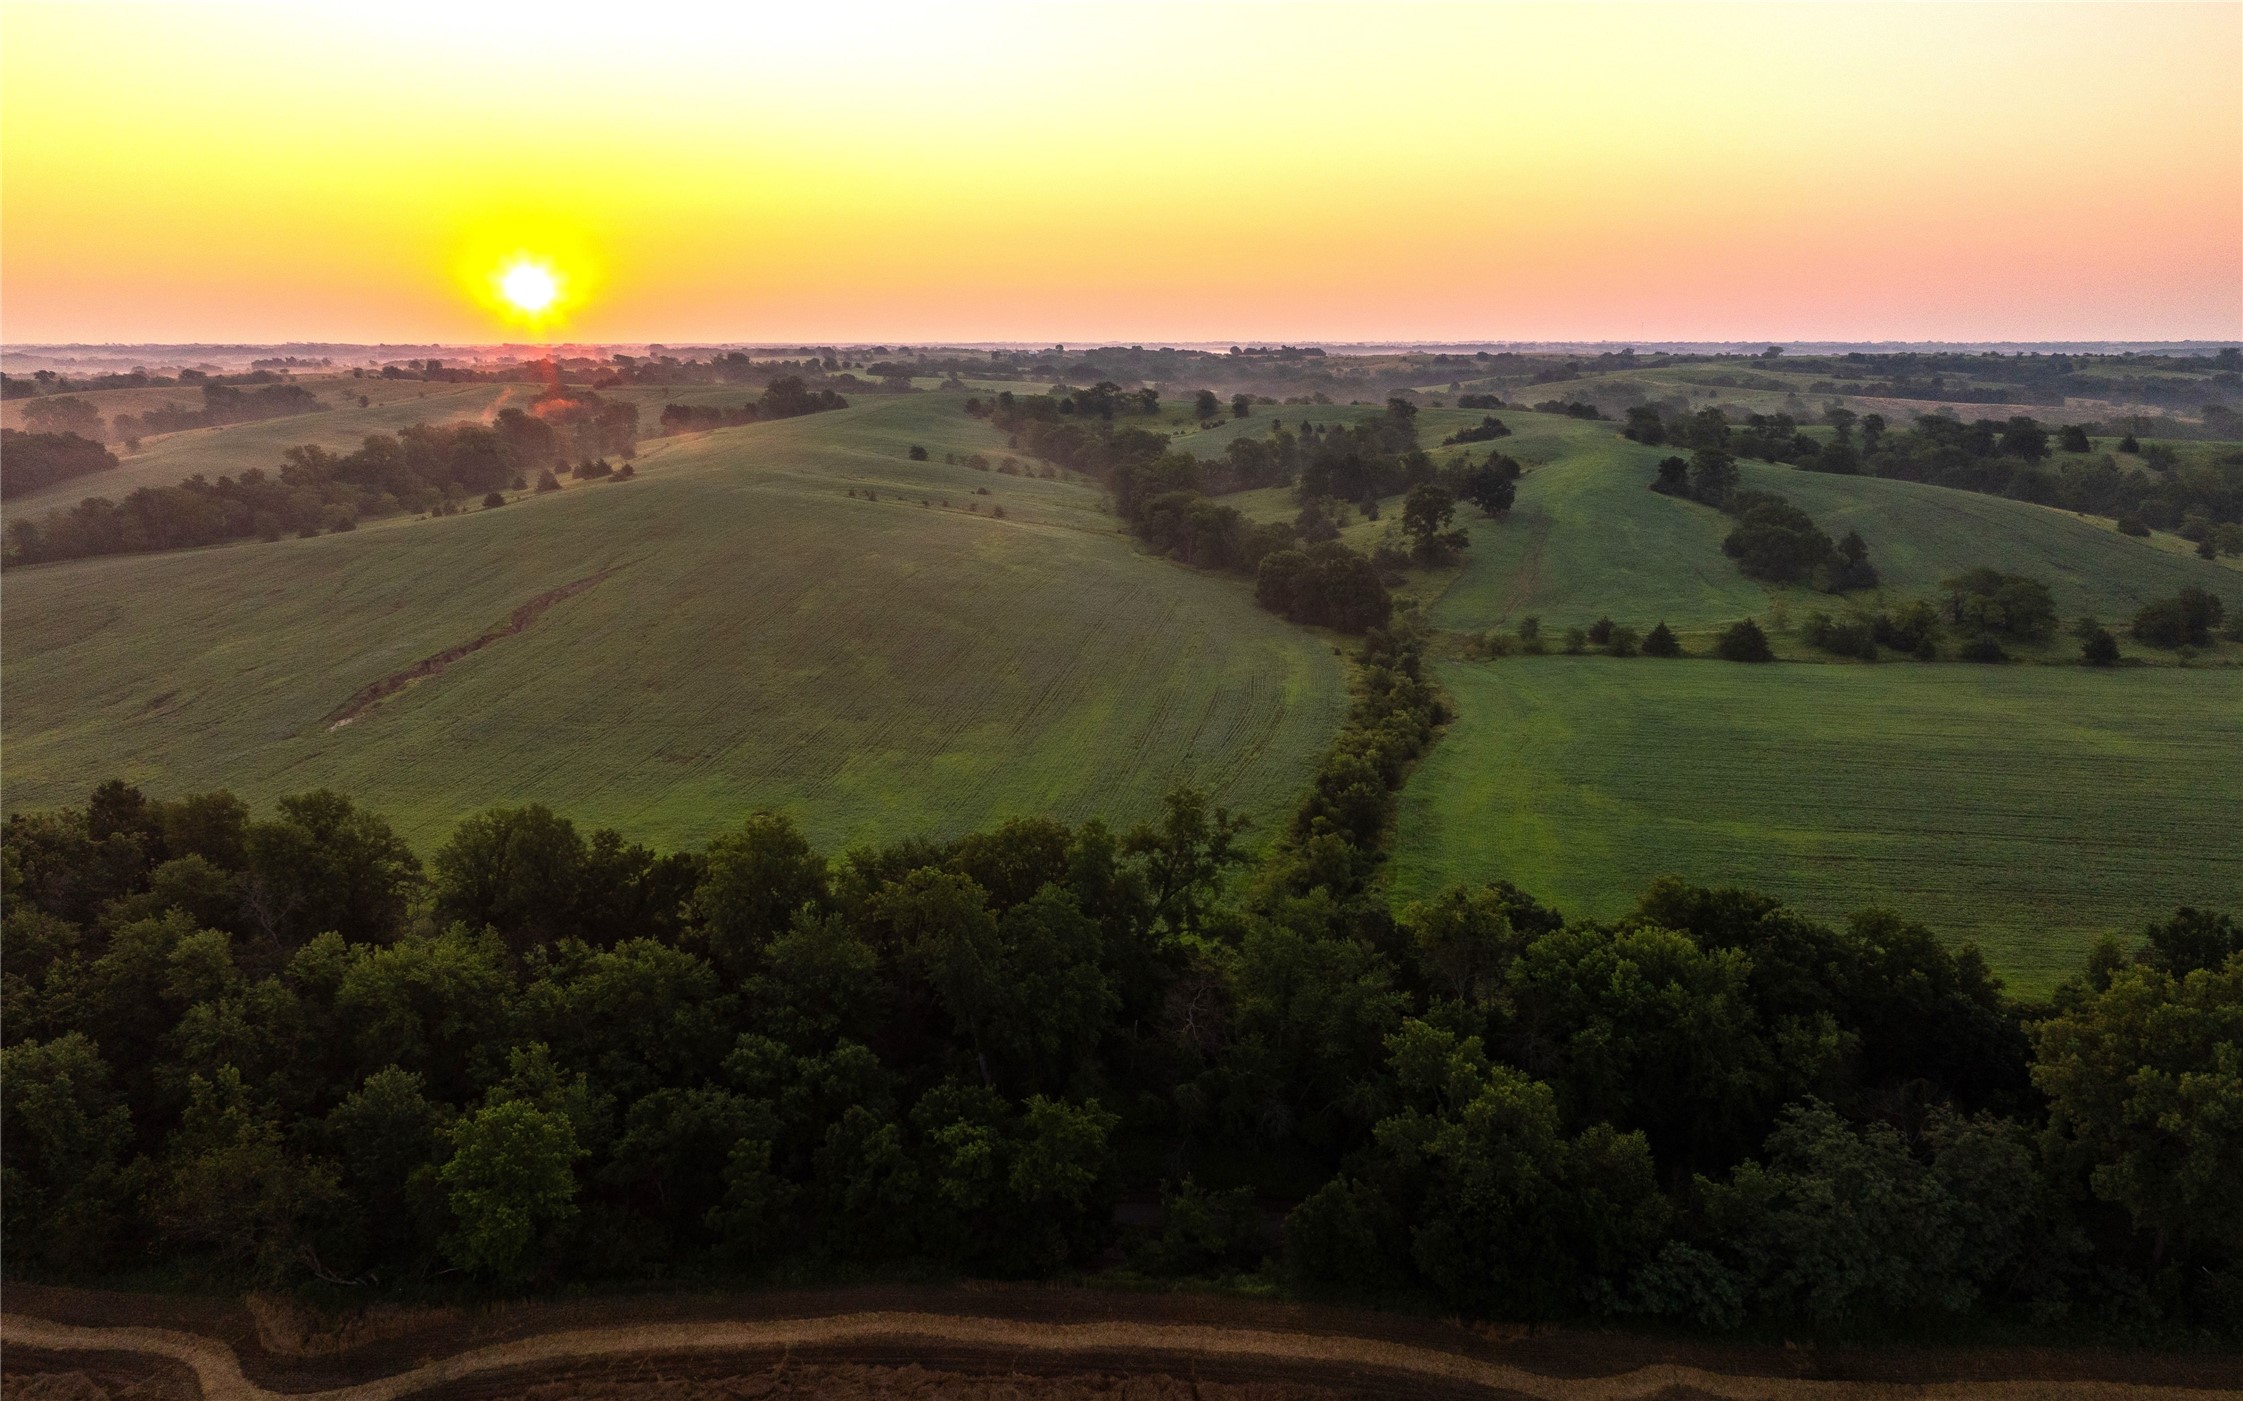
(875, 667)
(2029, 809)
(1587, 537)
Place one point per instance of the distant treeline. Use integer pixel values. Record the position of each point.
(785, 397)
(48, 382)
(30, 461)
(2020, 458)
(222, 404)
(280, 1051)
(422, 468)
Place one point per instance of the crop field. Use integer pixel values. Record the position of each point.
(2030, 809)
(729, 630)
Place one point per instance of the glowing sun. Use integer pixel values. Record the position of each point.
(529, 287)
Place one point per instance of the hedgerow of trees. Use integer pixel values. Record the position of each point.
(432, 468)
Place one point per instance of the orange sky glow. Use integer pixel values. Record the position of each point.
(1140, 173)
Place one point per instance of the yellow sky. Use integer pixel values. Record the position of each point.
(359, 172)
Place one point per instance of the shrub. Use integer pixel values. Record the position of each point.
(2099, 648)
(1661, 642)
(1621, 642)
(1840, 637)
(493, 501)
(546, 481)
(1983, 648)
(917, 453)
(1744, 642)
(1600, 631)
(1576, 642)
(2133, 525)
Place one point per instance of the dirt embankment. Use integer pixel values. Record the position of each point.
(370, 696)
(976, 1343)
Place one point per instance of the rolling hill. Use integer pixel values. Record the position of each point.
(742, 625)
(1587, 538)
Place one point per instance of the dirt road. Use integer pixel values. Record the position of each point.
(967, 1353)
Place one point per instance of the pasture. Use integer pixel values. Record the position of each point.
(1588, 537)
(2029, 809)
(906, 665)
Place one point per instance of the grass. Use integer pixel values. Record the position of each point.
(876, 668)
(1919, 535)
(2030, 809)
(1587, 538)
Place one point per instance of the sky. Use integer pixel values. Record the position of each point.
(1125, 172)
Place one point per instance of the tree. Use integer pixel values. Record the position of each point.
(2099, 648)
(758, 876)
(1673, 478)
(515, 870)
(1744, 642)
(2022, 437)
(63, 413)
(323, 864)
(1206, 406)
(918, 453)
(1242, 405)
(67, 1130)
(1661, 642)
(1187, 857)
(511, 1180)
(1987, 601)
(2184, 620)
(1845, 1225)
(2144, 1078)
(1479, 1192)
(1426, 518)
(1713, 475)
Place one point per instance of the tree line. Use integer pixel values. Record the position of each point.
(1301, 569)
(423, 468)
(282, 1050)
(785, 397)
(2021, 458)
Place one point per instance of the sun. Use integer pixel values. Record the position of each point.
(529, 286)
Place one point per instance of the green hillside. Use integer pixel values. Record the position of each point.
(2028, 808)
(744, 633)
(1587, 537)
(1919, 535)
